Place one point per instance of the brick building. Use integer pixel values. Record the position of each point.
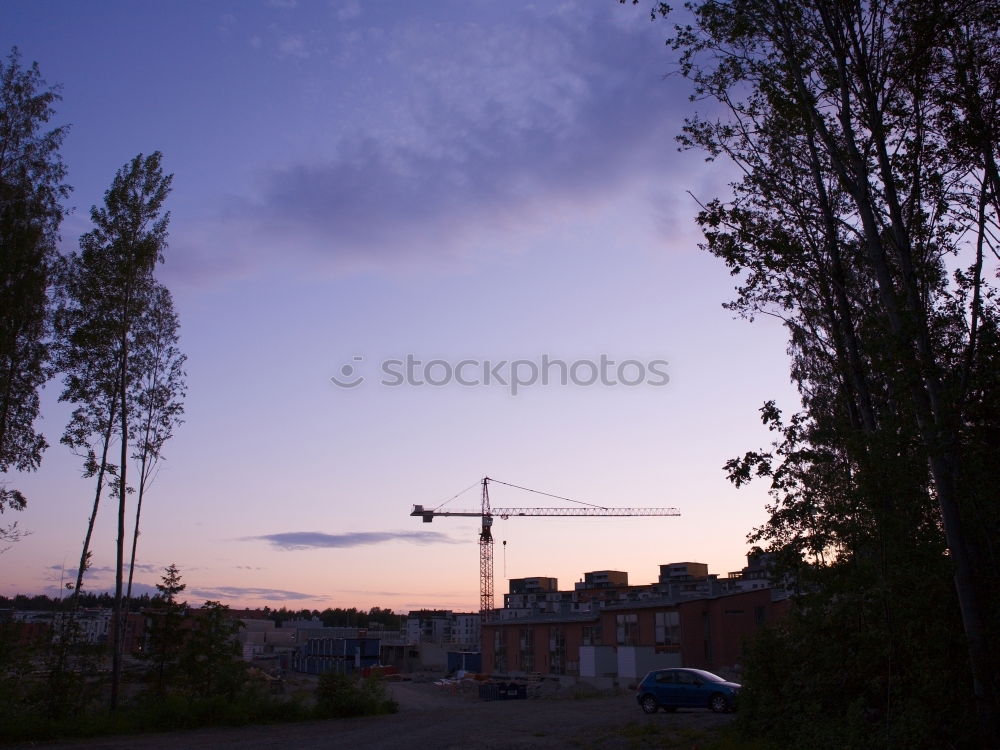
(688, 618)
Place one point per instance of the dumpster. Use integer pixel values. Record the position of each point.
(489, 691)
(512, 691)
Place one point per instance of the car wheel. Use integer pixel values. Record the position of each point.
(718, 703)
(649, 704)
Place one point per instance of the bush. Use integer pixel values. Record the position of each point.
(861, 667)
(339, 695)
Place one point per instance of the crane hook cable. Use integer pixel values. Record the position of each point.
(547, 494)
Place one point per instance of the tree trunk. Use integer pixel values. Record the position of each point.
(97, 501)
(117, 614)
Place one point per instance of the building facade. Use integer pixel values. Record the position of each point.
(607, 629)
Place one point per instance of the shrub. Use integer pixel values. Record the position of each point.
(339, 695)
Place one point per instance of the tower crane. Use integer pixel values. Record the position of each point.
(486, 513)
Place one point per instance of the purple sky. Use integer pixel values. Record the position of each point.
(359, 182)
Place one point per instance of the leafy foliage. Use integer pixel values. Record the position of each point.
(159, 398)
(31, 188)
(210, 657)
(867, 212)
(342, 695)
(117, 334)
(166, 634)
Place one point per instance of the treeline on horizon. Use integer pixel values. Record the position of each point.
(331, 617)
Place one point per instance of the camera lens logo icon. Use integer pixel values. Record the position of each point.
(349, 377)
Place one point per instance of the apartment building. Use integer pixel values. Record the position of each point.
(443, 627)
(607, 629)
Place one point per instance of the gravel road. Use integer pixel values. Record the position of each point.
(435, 718)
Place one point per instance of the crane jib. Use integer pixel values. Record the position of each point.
(428, 515)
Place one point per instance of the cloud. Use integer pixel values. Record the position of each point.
(465, 128)
(293, 46)
(95, 569)
(138, 589)
(241, 592)
(99, 571)
(347, 11)
(366, 592)
(294, 540)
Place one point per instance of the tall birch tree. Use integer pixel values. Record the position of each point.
(159, 399)
(105, 305)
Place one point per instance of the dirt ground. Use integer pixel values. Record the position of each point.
(444, 718)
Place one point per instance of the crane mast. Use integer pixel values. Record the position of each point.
(486, 513)
(486, 556)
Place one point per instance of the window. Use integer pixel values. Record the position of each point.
(528, 649)
(499, 652)
(527, 638)
(557, 650)
(627, 629)
(591, 635)
(668, 631)
(759, 614)
(684, 678)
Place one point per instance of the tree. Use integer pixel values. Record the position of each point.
(159, 399)
(104, 320)
(867, 135)
(210, 660)
(165, 633)
(31, 188)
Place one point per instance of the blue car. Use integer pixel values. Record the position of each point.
(671, 689)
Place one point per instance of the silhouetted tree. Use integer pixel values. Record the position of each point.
(210, 659)
(867, 137)
(165, 633)
(31, 188)
(103, 319)
(159, 399)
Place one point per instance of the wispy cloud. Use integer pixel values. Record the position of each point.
(98, 571)
(138, 589)
(293, 46)
(347, 11)
(218, 593)
(464, 128)
(294, 540)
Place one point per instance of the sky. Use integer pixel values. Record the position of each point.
(390, 220)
